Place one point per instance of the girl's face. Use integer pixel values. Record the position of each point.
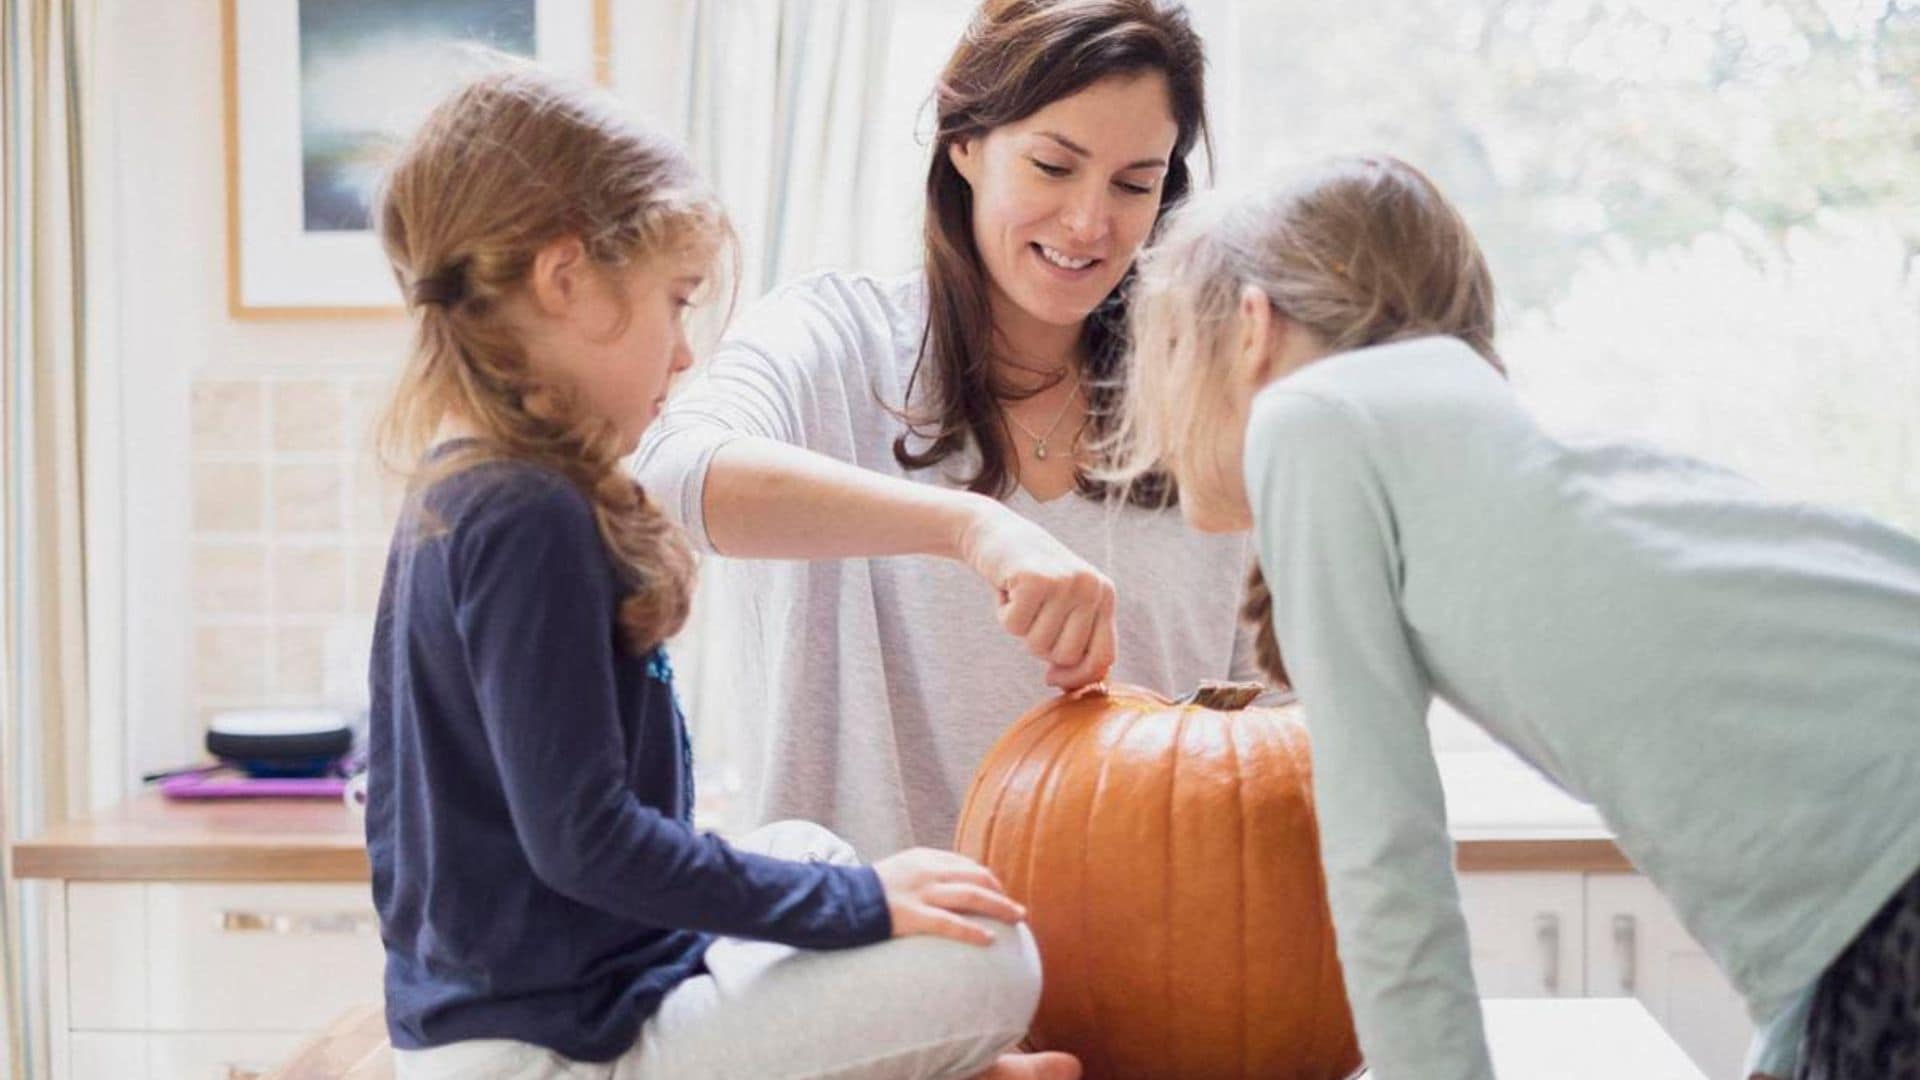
(1261, 346)
(1064, 198)
(1213, 490)
(620, 369)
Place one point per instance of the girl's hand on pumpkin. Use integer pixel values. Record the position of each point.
(1049, 597)
(928, 891)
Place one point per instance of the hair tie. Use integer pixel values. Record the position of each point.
(443, 288)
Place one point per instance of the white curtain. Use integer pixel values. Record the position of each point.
(43, 669)
(808, 118)
(780, 99)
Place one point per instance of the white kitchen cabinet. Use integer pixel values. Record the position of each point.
(200, 941)
(168, 980)
(1535, 863)
(1527, 933)
(1598, 935)
(1637, 948)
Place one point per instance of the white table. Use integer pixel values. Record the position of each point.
(1580, 1039)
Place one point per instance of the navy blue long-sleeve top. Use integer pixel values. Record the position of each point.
(530, 791)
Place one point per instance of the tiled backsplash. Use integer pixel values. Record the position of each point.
(289, 530)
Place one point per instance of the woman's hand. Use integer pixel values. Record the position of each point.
(1050, 598)
(928, 890)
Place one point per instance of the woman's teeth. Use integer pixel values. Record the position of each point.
(1062, 261)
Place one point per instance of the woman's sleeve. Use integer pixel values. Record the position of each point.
(786, 375)
(535, 601)
(1328, 544)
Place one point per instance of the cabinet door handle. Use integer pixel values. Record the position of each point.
(1625, 930)
(1546, 931)
(301, 924)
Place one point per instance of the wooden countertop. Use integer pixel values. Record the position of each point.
(150, 838)
(1503, 816)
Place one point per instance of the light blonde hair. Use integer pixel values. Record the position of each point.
(1361, 251)
(511, 162)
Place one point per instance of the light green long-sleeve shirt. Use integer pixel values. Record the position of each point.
(1731, 679)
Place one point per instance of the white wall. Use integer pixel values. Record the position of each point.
(167, 222)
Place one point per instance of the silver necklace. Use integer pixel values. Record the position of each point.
(1039, 440)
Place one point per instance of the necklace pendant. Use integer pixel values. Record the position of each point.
(1040, 450)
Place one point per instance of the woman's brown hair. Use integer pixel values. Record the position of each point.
(1016, 58)
(1361, 251)
(510, 163)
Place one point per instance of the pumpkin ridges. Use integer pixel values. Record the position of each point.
(1057, 735)
(983, 846)
(1333, 978)
(1149, 804)
(1207, 852)
(1136, 989)
(1299, 755)
(1067, 952)
(1111, 1026)
(1095, 1063)
(1243, 1046)
(1259, 982)
(1168, 876)
(1069, 1018)
(1287, 749)
(1287, 813)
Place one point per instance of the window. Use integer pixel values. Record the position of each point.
(1703, 215)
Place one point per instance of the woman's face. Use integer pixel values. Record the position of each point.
(1064, 198)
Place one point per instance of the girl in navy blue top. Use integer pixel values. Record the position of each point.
(546, 907)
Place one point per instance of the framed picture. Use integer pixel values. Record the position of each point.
(316, 92)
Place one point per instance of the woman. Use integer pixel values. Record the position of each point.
(949, 413)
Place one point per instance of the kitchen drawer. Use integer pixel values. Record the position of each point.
(200, 1055)
(200, 957)
(258, 957)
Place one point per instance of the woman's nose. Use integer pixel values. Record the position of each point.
(1085, 216)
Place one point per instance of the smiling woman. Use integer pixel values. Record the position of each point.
(953, 412)
(1044, 181)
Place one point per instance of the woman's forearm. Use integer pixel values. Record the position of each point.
(770, 500)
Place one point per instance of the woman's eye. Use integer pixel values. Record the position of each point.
(1050, 170)
(1135, 189)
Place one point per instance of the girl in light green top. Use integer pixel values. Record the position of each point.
(1733, 680)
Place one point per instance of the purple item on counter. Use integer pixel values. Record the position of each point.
(217, 786)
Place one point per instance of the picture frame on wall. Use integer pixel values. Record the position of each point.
(318, 92)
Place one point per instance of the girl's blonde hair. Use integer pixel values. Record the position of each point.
(513, 161)
(1361, 251)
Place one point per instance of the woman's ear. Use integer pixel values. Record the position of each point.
(964, 153)
(1256, 359)
(557, 275)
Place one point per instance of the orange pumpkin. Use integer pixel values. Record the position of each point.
(1168, 858)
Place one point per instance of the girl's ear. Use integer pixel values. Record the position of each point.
(1256, 358)
(557, 276)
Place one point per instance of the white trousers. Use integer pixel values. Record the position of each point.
(915, 1008)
